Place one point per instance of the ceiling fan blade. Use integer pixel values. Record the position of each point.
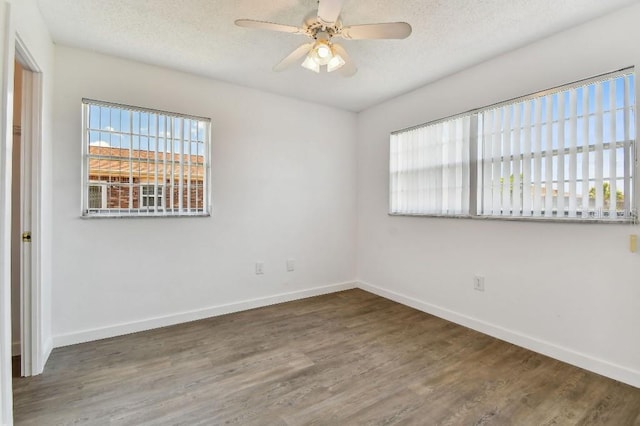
(293, 57)
(263, 25)
(390, 30)
(348, 69)
(329, 11)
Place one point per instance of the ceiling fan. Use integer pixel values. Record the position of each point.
(322, 26)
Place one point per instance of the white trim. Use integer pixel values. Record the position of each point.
(596, 365)
(48, 347)
(26, 223)
(31, 166)
(164, 321)
(7, 50)
(570, 356)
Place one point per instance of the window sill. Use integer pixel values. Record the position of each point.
(138, 215)
(626, 221)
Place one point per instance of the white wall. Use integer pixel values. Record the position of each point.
(281, 189)
(568, 290)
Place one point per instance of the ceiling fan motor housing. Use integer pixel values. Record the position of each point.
(313, 26)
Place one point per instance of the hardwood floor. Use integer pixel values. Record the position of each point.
(344, 358)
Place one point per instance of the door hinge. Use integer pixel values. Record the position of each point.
(26, 236)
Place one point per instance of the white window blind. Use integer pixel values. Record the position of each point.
(430, 169)
(566, 153)
(144, 162)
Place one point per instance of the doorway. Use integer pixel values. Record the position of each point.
(26, 309)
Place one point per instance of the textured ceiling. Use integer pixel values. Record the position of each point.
(199, 36)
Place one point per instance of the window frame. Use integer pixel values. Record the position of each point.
(476, 163)
(157, 192)
(103, 195)
(185, 189)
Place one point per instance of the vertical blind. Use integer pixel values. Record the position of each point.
(429, 169)
(564, 153)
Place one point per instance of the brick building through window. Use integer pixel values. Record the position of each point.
(124, 179)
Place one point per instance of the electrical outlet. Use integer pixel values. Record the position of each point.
(291, 265)
(259, 268)
(478, 283)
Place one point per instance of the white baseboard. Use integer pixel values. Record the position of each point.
(148, 324)
(596, 365)
(15, 348)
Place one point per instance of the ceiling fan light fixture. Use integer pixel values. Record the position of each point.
(311, 64)
(323, 51)
(323, 25)
(336, 62)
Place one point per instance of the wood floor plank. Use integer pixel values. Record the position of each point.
(343, 358)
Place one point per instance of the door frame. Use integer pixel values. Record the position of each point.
(31, 350)
(7, 65)
(12, 46)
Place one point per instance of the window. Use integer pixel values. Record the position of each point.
(152, 196)
(97, 196)
(430, 169)
(566, 153)
(141, 162)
